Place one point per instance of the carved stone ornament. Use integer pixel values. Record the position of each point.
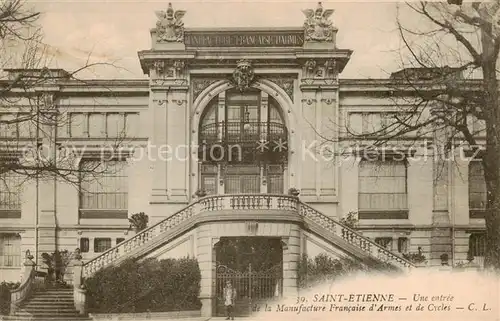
(286, 84)
(199, 84)
(318, 26)
(168, 68)
(243, 75)
(169, 27)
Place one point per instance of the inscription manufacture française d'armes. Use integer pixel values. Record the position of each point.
(264, 39)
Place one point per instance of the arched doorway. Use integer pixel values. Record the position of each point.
(243, 143)
(254, 266)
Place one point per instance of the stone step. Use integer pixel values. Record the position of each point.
(35, 310)
(64, 318)
(46, 306)
(47, 313)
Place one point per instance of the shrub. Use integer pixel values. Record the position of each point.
(415, 258)
(150, 285)
(324, 268)
(139, 221)
(5, 288)
(350, 220)
(57, 264)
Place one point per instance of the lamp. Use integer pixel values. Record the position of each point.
(246, 119)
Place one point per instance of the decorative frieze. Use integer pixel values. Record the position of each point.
(168, 69)
(323, 69)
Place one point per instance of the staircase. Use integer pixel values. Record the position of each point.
(48, 305)
(180, 222)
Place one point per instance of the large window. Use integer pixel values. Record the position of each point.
(477, 186)
(10, 250)
(10, 192)
(383, 188)
(104, 185)
(243, 144)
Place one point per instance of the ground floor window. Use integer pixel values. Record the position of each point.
(10, 250)
(102, 244)
(385, 242)
(403, 245)
(477, 244)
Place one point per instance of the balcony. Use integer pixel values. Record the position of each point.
(244, 142)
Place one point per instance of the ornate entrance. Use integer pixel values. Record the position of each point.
(254, 266)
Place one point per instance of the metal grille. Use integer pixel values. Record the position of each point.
(252, 287)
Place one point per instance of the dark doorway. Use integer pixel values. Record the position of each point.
(254, 266)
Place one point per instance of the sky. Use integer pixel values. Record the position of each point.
(114, 31)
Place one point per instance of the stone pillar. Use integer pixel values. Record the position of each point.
(77, 265)
(349, 172)
(308, 156)
(206, 263)
(291, 257)
(158, 138)
(177, 140)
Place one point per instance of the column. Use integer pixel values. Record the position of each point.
(308, 147)
(47, 190)
(291, 257)
(349, 172)
(177, 140)
(327, 126)
(158, 150)
(205, 253)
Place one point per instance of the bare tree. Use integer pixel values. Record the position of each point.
(439, 94)
(27, 105)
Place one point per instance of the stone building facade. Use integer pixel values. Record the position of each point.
(243, 116)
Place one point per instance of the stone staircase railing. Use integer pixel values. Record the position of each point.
(28, 275)
(141, 238)
(354, 238)
(243, 202)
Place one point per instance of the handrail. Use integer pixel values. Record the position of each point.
(353, 237)
(213, 203)
(22, 292)
(140, 238)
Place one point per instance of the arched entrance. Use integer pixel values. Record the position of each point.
(254, 266)
(243, 144)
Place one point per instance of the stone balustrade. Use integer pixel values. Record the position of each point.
(242, 202)
(27, 284)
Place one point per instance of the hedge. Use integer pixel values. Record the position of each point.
(5, 288)
(147, 286)
(323, 268)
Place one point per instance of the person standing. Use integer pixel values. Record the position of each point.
(229, 298)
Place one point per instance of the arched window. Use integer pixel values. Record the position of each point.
(243, 142)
